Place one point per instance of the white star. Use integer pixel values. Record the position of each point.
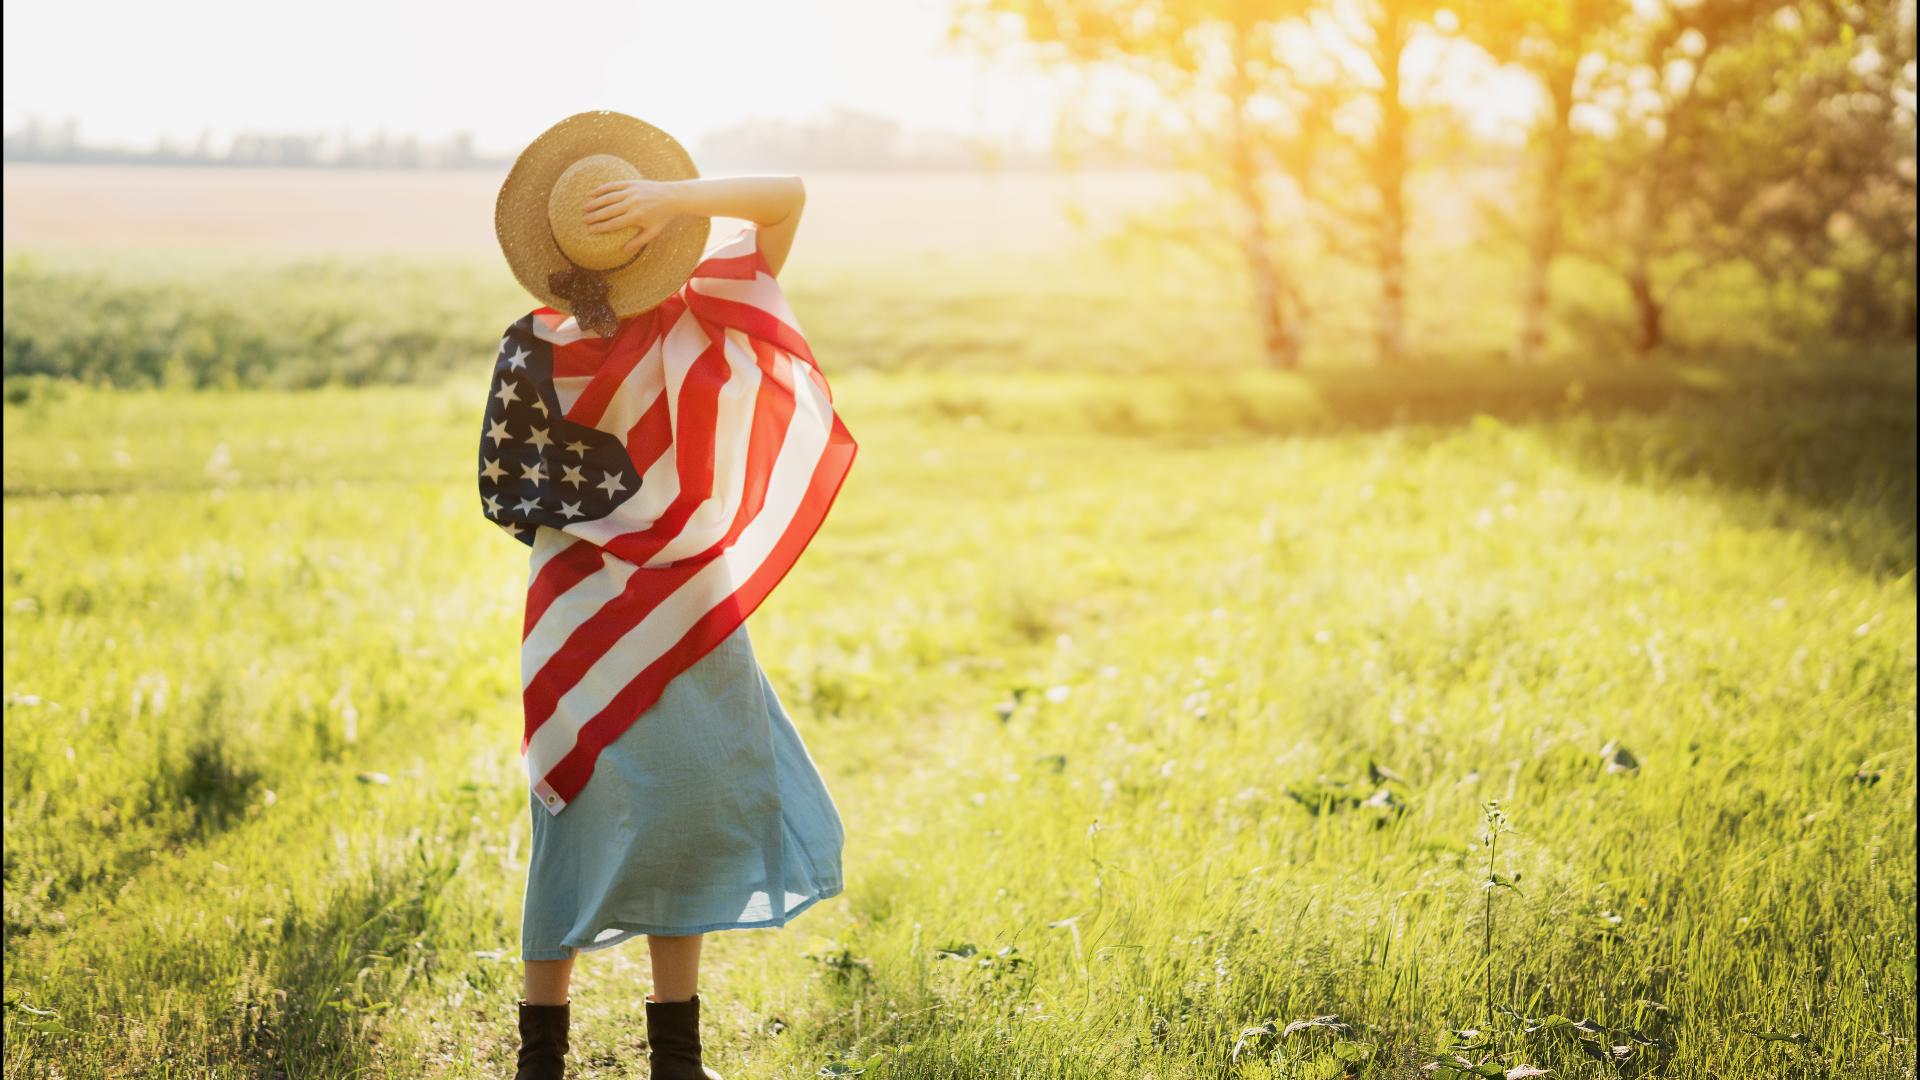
(578, 448)
(527, 506)
(493, 471)
(573, 476)
(506, 394)
(509, 526)
(539, 438)
(498, 433)
(532, 472)
(571, 509)
(541, 405)
(612, 484)
(493, 505)
(518, 360)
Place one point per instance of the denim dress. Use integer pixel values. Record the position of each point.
(706, 814)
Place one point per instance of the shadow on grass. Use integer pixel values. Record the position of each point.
(184, 798)
(1834, 463)
(301, 995)
(1822, 448)
(336, 971)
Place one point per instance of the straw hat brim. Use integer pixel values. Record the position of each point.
(520, 212)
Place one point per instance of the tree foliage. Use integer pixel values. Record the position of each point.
(1675, 138)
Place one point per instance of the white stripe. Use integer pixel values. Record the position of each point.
(680, 347)
(544, 549)
(635, 394)
(742, 242)
(568, 389)
(670, 621)
(733, 436)
(762, 292)
(566, 332)
(569, 609)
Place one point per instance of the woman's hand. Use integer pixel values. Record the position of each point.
(771, 202)
(647, 205)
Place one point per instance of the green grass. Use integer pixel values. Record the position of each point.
(212, 321)
(1108, 674)
(167, 318)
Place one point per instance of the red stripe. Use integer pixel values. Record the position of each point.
(579, 359)
(650, 435)
(558, 574)
(757, 322)
(699, 415)
(699, 392)
(772, 416)
(618, 356)
(770, 361)
(820, 381)
(693, 446)
(590, 640)
(571, 772)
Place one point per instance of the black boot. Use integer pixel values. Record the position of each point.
(543, 1042)
(673, 1040)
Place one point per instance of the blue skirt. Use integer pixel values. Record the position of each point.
(706, 814)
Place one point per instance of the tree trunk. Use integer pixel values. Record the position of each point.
(1649, 211)
(1648, 311)
(1282, 345)
(1390, 178)
(1537, 303)
(1910, 309)
(1278, 337)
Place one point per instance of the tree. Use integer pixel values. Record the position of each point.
(1380, 32)
(1645, 197)
(1551, 40)
(1825, 198)
(1222, 66)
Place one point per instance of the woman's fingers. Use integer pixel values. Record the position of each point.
(629, 219)
(604, 213)
(646, 234)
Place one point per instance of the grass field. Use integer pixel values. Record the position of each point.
(1169, 720)
(203, 278)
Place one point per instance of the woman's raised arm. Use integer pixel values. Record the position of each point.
(771, 202)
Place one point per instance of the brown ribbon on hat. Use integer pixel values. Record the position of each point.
(585, 290)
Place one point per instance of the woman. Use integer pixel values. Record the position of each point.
(660, 438)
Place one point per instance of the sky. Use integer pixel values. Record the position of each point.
(129, 72)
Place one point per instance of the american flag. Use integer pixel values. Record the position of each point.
(666, 479)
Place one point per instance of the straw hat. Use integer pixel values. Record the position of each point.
(586, 274)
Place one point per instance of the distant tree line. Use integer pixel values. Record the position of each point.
(840, 139)
(1676, 138)
(40, 141)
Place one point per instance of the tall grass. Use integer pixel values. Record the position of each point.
(1164, 723)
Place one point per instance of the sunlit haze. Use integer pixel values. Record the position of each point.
(130, 74)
